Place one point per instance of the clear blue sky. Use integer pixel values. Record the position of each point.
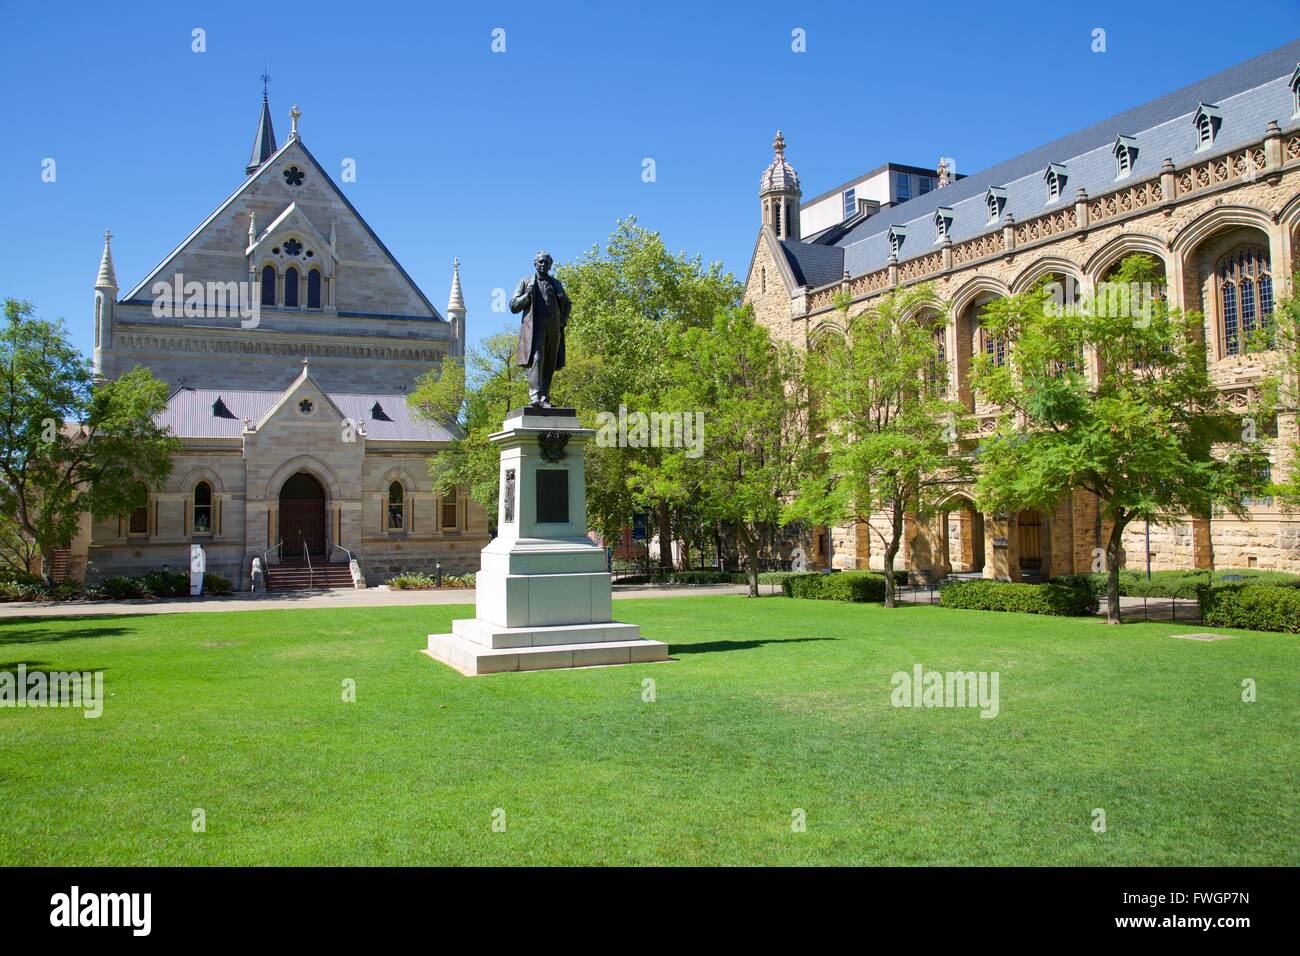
(463, 152)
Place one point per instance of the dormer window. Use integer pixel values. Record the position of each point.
(1125, 150)
(1055, 177)
(1295, 91)
(942, 223)
(1207, 119)
(996, 199)
(896, 236)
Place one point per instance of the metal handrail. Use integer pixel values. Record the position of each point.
(311, 573)
(275, 547)
(330, 550)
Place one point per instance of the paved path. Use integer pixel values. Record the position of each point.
(371, 597)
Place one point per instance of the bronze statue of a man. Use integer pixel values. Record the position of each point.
(546, 308)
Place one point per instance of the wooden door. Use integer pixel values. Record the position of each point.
(1031, 540)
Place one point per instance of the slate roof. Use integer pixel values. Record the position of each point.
(1249, 95)
(813, 264)
(190, 413)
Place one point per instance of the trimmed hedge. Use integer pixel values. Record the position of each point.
(857, 587)
(1256, 607)
(1063, 597)
(1185, 583)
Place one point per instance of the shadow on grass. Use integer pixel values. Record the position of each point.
(39, 630)
(711, 647)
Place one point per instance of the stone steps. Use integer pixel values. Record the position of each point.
(296, 576)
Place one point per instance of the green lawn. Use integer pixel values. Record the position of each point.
(770, 705)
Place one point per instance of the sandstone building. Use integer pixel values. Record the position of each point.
(1205, 179)
(290, 335)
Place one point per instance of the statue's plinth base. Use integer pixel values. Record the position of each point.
(542, 595)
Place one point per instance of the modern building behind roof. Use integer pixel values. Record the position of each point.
(290, 335)
(1205, 179)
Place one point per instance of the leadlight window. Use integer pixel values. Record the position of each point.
(936, 374)
(203, 508)
(140, 516)
(395, 504)
(1245, 297)
(268, 285)
(313, 289)
(291, 287)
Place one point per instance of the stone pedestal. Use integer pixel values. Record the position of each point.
(542, 594)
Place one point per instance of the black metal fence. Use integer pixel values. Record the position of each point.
(1182, 607)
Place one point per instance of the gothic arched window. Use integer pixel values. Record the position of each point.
(203, 508)
(268, 285)
(1245, 296)
(313, 289)
(936, 373)
(395, 496)
(291, 288)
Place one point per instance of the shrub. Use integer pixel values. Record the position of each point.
(1067, 597)
(215, 584)
(419, 581)
(21, 591)
(776, 577)
(161, 584)
(1256, 607)
(853, 586)
(707, 577)
(412, 581)
(121, 588)
(1184, 584)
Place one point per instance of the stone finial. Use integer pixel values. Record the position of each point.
(334, 240)
(107, 278)
(294, 113)
(306, 361)
(456, 301)
(943, 172)
(252, 227)
(778, 144)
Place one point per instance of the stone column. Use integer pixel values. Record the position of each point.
(1002, 548)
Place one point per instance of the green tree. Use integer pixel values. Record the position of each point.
(889, 442)
(1278, 340)
(630, 297)
(1149, 435)
(67, 445)
(472, 400)
(755, 428)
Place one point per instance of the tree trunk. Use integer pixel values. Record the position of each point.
(1113, 615)
(750, 543)
(891, 552)
(47, 565)
(665, 539)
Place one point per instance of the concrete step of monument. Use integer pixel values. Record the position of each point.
(472, 659)
(498, 637)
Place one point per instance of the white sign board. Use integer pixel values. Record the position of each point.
(198, 564)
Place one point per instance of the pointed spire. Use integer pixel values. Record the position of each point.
(107, 277)
(456, 301)
(264, 141)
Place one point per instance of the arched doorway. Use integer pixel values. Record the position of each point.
(961, 532)
(302, 515)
